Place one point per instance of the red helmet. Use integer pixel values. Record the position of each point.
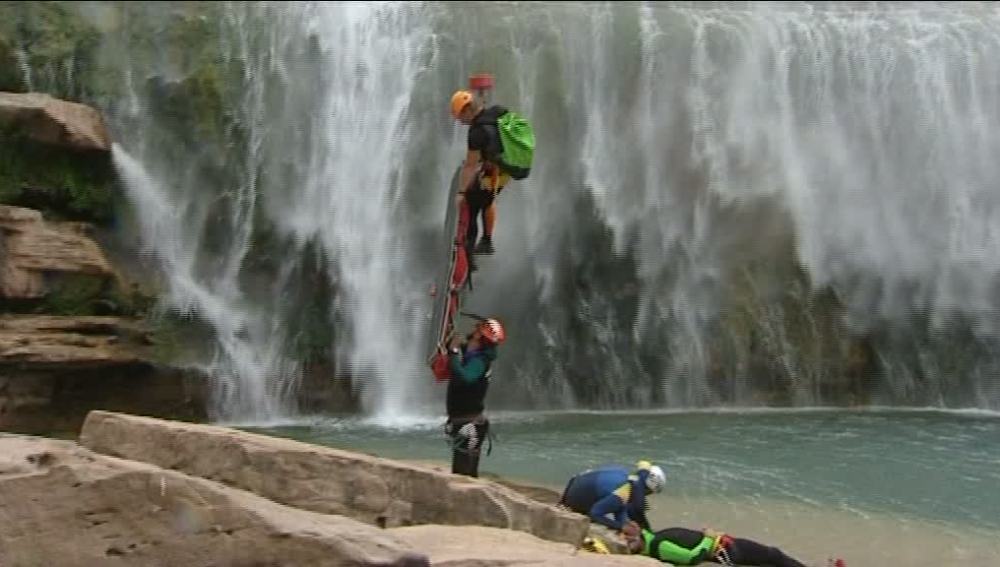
(492, 331)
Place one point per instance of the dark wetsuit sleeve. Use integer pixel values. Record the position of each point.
(638, 503)
(610, 504)
(640, 518)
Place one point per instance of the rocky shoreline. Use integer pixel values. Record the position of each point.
(143, 491)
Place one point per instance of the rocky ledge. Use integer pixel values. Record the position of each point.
(48, 120)
(55, 369)
(142, 491)
(33, 250)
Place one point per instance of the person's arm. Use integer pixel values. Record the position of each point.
(670, 552)
(614, 503)
(468, 371)
(639, 516)
(469, 169)
(610, 504)
(637, 501)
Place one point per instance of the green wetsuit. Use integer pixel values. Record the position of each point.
(678, 546)
(682, 546)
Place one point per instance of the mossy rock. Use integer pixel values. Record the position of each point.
(76, 294)
(63, 185)
(10, 75)
(178, 338)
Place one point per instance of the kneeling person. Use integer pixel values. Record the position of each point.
(614, 490)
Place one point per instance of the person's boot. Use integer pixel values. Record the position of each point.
(485, 246)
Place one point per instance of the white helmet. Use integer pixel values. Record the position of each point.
(656, 479)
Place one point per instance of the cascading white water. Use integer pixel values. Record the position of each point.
(353, 191)
(200, 229)
(706, 133)
(678, 145)
(321, 128)
(246, 363)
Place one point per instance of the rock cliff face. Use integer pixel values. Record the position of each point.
(70, 342)
(72, 336)
(48, 120)
(33, 252)
(55, 369)
(230, 498)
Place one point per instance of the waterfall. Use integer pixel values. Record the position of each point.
(728, 200)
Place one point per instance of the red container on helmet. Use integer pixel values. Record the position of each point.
(481, 82)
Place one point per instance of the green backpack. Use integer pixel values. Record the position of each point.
(518, 141)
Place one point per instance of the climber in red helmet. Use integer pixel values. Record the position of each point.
(470, 364)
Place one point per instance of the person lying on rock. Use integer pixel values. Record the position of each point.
(470, 363)
(681, 546)
(614, 490)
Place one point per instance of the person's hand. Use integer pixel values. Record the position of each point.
(631, 534)
(454, 343)
(630, 530)
(709, 532)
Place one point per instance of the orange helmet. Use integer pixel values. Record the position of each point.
(492, 331)
(459, 101)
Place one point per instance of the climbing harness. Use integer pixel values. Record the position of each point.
(722, 553)
(723, 556)
(456, 440)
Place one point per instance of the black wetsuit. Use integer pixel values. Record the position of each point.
(484, 138)
(748, 552)
(467, 427)
(681, 546)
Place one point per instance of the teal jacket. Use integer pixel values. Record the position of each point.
(472, 366)
(469, 381)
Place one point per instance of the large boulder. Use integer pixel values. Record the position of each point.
(63, 505)
(49, 120)
(31, 249)
(370, 489)
(476, 546)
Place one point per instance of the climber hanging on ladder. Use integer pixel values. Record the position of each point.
(501, 145)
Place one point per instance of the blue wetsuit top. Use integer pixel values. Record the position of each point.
(609, 490)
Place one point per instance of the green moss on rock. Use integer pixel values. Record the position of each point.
(63, 185)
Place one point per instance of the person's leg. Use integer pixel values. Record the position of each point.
(460, 458)
(490, 217)
(464, 463)
(489, 221)
(473, 464)
(563, 501)
(749, 552)
(485, 203)
(466, 445)
(475, 200)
